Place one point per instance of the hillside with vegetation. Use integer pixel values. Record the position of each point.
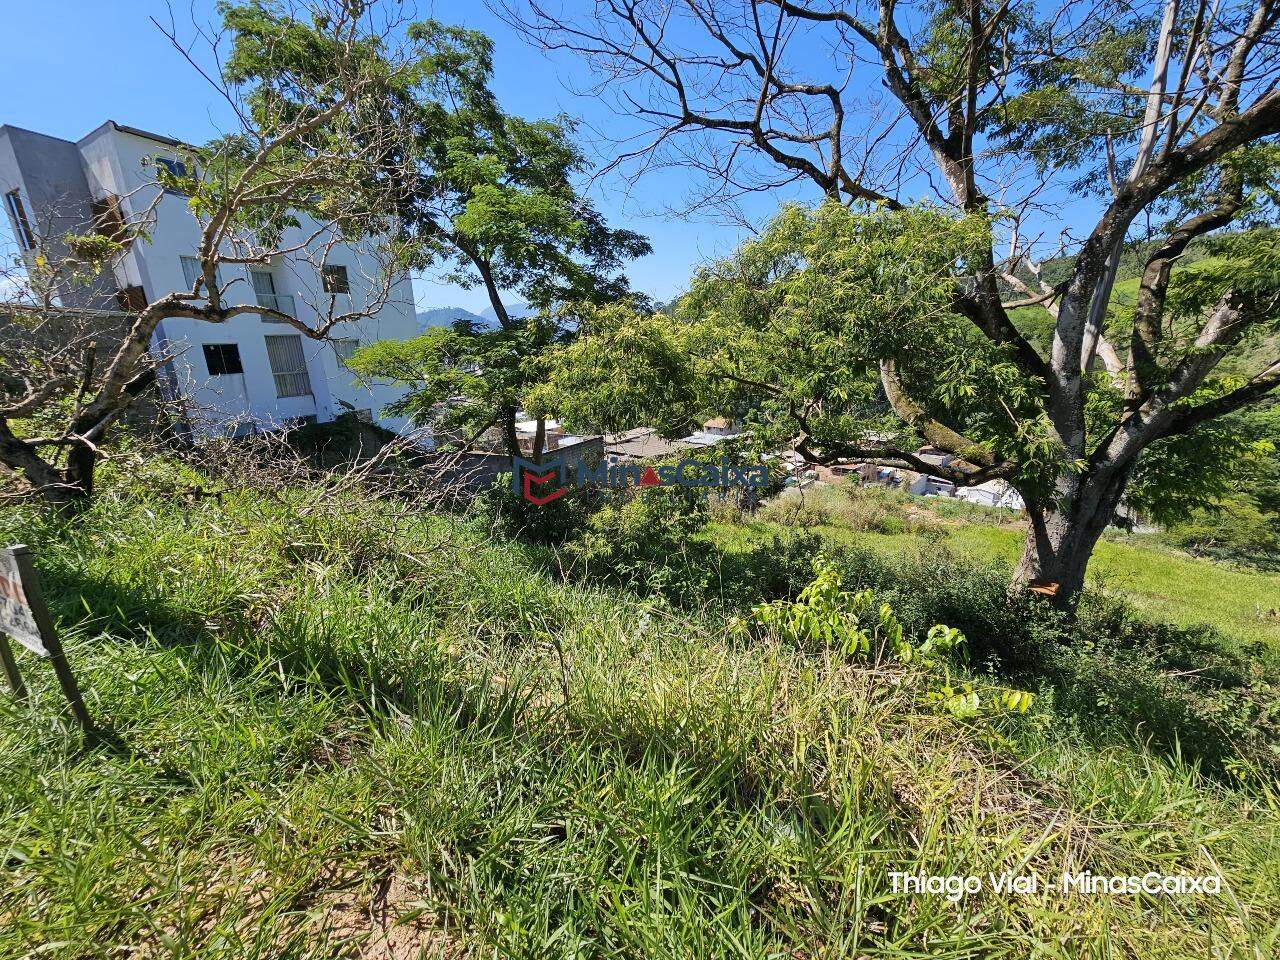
(354, 694)
(1164, 582)
(373, 729)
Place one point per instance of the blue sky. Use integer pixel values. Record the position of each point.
(71, 64)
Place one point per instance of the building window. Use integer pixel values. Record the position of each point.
(264, 293)
(176, 169)
(334, 279)
(288, 365)
(132, 299)
(108, 218)
(345, 348)
(21, 225)
(191, 272)
(222, 359)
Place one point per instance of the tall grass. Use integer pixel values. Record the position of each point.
(362, 731)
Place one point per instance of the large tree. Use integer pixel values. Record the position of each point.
(489, 198)
(497, 204)
(1155, 121)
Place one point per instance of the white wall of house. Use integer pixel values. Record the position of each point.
(993, 493)
(118, 161)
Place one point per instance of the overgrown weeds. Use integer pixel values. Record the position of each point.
(543, 767)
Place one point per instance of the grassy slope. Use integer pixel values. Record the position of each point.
(325, 723)
(1164, 583)
(1174, 587)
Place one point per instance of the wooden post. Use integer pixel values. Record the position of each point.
(11, 669)
(45, 641)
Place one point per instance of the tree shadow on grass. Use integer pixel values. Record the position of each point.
(305, 653)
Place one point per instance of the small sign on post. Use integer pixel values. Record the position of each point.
(25, 618)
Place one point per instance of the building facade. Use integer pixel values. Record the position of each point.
(246, 373)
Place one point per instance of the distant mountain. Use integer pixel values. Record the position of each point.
(448, 316)
(486, 319)
(513, 310)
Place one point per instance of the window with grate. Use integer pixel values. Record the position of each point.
(288, 365)
(191, 271)
(345, 348)
(21, 225)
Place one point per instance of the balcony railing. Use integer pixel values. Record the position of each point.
(280, 302)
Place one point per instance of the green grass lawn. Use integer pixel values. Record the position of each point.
(1173, 587)
(369, 732)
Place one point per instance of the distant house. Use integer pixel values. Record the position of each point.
(555, 439)
(645, 443)
(713, 431)
(993, 493)
(933, 455)
(641, 443)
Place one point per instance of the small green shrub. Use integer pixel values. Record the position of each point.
(795, 510)
(1237, 531)
(825, 615)
(775, 569)
(548, 523)
(643, 539)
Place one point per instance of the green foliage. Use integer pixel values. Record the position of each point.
(549, 523)
(828, 615)
(799, 317)
(643, 540)
(463, 381)
(1206, 693)
(1228, 469)
(860, 627)
(631, 368)
(795, 510)
(489, 197)
(1236, 529)
(792, 328)
(497, 205)
(1244, 264)
(1195, 471)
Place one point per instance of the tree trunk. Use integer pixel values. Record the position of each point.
(1063, 534)
(509, 435)
(69, 490)
(82, 461)
(539, 439)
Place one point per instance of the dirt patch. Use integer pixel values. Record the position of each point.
(391, 921)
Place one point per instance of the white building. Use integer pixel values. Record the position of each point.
(247, 370)
(993, 493)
